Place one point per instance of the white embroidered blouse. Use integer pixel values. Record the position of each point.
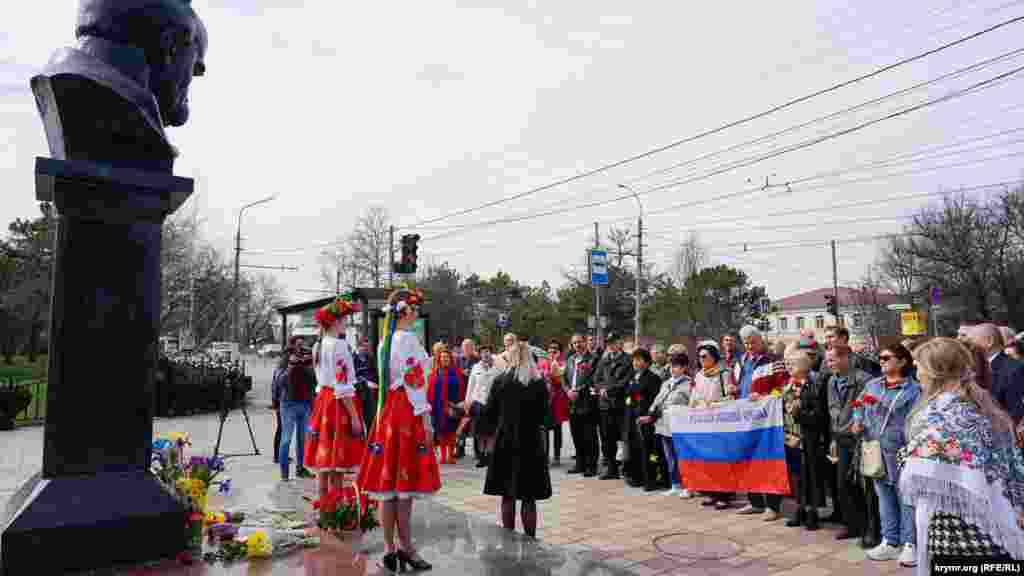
(410, 364)
(335, 368)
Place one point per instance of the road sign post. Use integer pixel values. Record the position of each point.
(599, 267)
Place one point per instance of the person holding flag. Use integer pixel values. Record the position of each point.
(399, 464)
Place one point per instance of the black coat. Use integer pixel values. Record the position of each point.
(366, 371)
(641, 393)
(519, 463)
(1008, 385)
(586, 401)
(814, 438)
(614, 375)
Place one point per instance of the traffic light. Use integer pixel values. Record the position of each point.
(408, 262)
(830, 305)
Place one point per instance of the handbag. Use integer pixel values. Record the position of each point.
(871, 463)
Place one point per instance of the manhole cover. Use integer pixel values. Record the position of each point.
(697, 546)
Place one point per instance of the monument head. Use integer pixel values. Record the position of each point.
(108, 99)
(168, 32)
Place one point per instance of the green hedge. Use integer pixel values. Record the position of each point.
(22, 369)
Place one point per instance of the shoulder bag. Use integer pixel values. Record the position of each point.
(871, 463)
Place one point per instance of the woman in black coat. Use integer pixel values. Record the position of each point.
(640, 440)
(516, 411)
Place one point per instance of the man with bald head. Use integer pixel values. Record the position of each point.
(1007, 373)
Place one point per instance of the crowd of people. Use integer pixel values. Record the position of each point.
(917, 460)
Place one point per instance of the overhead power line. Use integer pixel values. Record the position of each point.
(722, 127)
(749, 162)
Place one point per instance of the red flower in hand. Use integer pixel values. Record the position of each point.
(410, 361)
(856, 404)
(870, 400)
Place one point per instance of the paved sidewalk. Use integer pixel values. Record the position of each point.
(589, 527)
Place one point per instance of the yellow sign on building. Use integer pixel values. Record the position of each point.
(914, 323)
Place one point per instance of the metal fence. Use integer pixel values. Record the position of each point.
(35, 411)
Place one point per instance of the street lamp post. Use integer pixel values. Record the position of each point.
(639, 263)
(238, 251)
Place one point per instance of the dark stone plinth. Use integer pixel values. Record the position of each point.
(72, 523)
(96, 502)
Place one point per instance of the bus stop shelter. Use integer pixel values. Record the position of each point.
(369, 321)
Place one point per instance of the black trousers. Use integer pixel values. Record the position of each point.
(611, 421)
(642, 445)
(851, 497)
(277, 434)
(771, 501)
(583, 428)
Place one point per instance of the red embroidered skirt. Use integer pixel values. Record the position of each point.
(330, 445)
(398, 463)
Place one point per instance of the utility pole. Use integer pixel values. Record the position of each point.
(391, 257)
(337, 281)
(639, 277)
(835, 285)
(238, 252)
(599, 331)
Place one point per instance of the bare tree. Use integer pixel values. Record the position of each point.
(689, 258)
(178, 259)
(620, 239)
(369, 244)
(262, 294)
(337, 268)
(872, 318)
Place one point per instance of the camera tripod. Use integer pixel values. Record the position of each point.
(225, 410)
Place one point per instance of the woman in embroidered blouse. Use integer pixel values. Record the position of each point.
(962, 472)
(888, 400)
(446, 389)
(399, 464)
(334, 436)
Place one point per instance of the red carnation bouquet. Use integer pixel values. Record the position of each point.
(858, 408)
(345, 509)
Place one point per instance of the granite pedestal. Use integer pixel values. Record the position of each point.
(95, 503)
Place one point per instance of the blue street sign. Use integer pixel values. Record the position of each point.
(599, 267)
(936, 295)
(503, 321)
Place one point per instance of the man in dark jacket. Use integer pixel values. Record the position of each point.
(294, 394)
(844, 386)
(366, 381)
(1007, 373)
(613, 374)
(579, 384)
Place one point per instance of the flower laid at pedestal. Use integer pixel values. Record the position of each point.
(189, 479)
(345, 510)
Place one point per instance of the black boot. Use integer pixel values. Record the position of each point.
(611, 472)
(812, 520)
(798, 518)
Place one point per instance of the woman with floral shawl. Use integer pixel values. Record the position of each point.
(961, 470)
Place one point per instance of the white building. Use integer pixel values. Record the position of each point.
(806, 311)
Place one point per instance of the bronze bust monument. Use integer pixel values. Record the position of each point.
(108, 99)
(104, 106)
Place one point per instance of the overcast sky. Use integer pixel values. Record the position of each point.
(432, 107)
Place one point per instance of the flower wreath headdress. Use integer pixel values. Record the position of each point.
(414, 299)
(342, 306)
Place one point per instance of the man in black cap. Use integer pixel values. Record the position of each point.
(613, 373)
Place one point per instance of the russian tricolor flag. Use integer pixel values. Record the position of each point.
(733, 447)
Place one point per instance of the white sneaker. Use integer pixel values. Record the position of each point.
(908, 557)
(748, 510)
(884, 552)
(770, 515)
(685, 494)
(672, 492)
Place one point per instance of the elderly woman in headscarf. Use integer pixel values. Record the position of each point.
(961, 470)
(517, 410)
